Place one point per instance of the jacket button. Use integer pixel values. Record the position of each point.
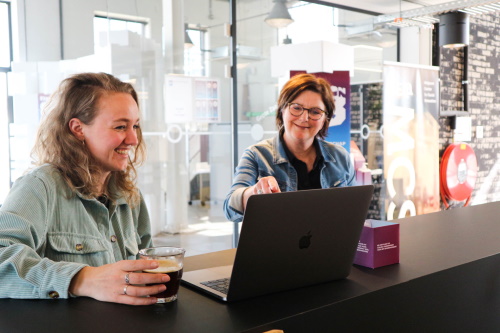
(79, 247)
(114, 239)
(54, 294)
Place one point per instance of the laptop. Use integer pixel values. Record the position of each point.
(290, 240)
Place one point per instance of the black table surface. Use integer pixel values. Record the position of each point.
(448, 280)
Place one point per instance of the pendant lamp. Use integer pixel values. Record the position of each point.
(279, 17)
(454, 30)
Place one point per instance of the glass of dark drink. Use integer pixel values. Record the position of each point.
(171, 263)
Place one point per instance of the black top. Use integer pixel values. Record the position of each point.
(306, 180)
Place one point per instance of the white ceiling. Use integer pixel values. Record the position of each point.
(388, 6)
(413, 11)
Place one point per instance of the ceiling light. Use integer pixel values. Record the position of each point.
(279, 17)
(454, 29)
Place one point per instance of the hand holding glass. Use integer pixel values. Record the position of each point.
(171, 263)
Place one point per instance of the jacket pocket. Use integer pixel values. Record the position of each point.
(78, 248)
(131, 247)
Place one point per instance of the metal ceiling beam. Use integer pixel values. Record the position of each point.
(431, 10)
(345, 7)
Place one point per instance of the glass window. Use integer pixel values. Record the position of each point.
(302, 46)
(5, 51)
(186, 106)
(5, 59)
(4, 140)
(185, 93)
(195, 54)
(104, 25)
(206, 143)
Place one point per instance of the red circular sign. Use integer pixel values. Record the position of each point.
(458, 171)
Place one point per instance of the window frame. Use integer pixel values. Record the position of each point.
(9, 24)
(115, 17)
(9, 107)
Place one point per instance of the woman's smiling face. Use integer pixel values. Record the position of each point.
(302, 128)
(113, 133)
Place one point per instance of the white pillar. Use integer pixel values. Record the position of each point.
(173, 36)
(177, 186)
(177, 195)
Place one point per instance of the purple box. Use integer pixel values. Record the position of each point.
(378, 245)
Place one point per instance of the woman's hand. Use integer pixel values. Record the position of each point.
(107, 283)
(264, 185)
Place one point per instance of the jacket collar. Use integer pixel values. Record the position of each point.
(279, 152)
(325, 151)
(120, 201)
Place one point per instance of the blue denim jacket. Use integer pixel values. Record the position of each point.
(268, 158)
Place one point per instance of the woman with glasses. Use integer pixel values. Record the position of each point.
(297, 158)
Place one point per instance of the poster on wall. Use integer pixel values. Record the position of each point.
(178, 99)
(411, 145)
(206, 100)
(339, 131)
(190, 99)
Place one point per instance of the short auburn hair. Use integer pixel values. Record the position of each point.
(297, 85)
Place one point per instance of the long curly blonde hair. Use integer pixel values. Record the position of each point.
(77, 97)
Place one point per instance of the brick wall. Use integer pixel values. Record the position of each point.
(484, 109)
(484, 101)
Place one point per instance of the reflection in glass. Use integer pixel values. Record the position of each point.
(4, 36)
(4, 140)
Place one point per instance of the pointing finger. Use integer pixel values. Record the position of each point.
(273, 185)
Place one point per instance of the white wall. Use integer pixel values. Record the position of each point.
(42, 30)
(78, 38)
(415, 46)
(39, 25)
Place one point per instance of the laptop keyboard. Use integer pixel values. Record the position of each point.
(220, 285)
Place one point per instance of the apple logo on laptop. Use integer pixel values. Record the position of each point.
(305, 241)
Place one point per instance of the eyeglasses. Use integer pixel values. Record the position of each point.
(297, 110)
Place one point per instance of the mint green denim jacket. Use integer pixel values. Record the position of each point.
(268, 158)
(48, 233)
